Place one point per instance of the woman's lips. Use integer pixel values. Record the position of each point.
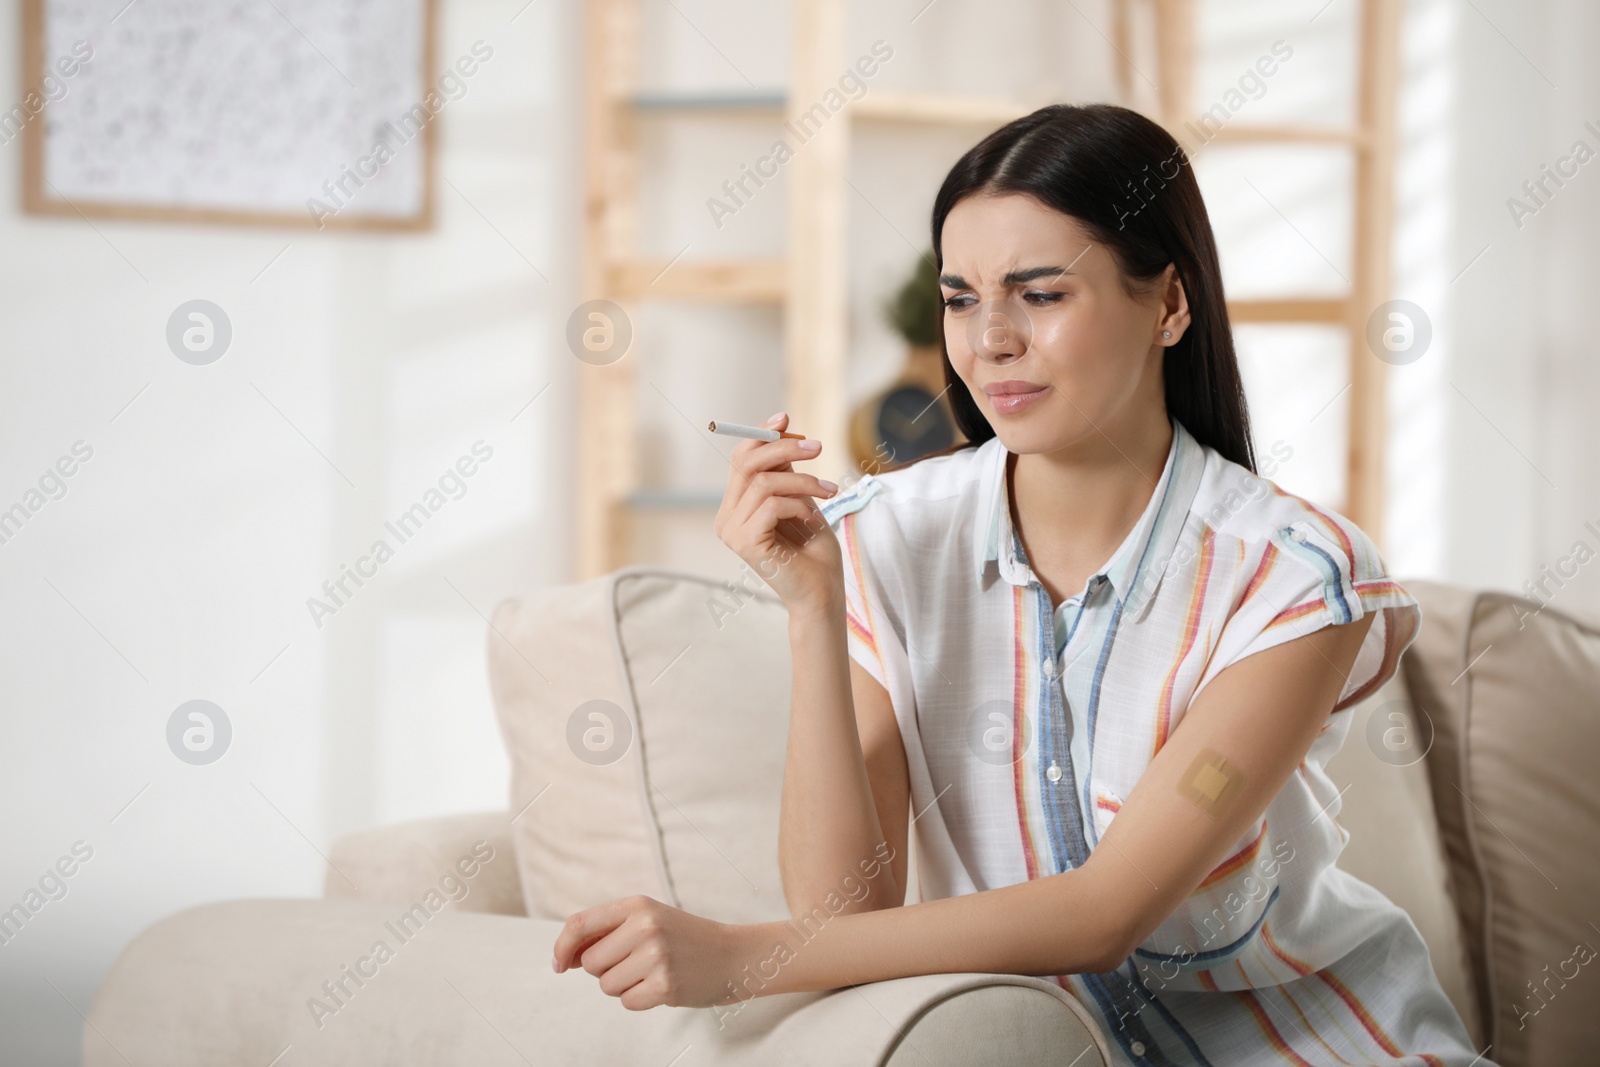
(1013, 403)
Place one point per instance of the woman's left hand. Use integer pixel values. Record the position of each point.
(647, 953)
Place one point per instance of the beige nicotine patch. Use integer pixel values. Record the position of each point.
(1212, 782)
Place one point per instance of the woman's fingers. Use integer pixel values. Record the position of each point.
(622, 974)
(771, 512)
(627, 958)
(768, 454)
(737, 477)
(774, 455)
(599, 957)
(582, 929)
(746, 491)
(759, 469)
(645, 994)
(750, 456)
(767, 484)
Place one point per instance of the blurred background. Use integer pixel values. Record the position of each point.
(242, 346)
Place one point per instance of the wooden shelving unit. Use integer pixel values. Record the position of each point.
(1372, 140)
(809, 281)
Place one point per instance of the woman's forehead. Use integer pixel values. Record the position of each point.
(1038, 261)
(999, 234)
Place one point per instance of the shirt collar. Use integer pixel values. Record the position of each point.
(1137, 566)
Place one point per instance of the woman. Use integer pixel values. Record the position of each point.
(1101, 659)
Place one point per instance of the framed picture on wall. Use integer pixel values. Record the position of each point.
(317, 113)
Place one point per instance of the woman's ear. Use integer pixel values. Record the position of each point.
(1174, 320)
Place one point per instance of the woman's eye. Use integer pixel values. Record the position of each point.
(1037, 297)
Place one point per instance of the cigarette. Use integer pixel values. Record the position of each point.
(759, 433)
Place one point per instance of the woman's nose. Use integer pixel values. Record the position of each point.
(1000, 331)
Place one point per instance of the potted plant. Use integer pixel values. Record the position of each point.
(911, 416)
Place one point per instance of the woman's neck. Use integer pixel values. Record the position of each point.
(1074, 507)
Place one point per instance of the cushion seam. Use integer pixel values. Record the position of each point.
(1489, 1011)
(652, 817)
(647, 806)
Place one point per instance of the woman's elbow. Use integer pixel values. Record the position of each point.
(1113, 956)
(1122, 929)
(852, 895)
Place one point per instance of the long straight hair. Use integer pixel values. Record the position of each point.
(1127, 182)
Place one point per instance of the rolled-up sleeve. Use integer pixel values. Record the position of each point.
(1312, 574)
(864, 615)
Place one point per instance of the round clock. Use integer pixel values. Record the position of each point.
(907, 420)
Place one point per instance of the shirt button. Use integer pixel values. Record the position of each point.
(1297, 535)
(1049, 668)
(1137, 1048)
(1054, 773)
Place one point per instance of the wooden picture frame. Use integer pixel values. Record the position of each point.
(38, 199)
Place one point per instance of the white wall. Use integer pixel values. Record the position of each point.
(178, 564)
(1523, 479)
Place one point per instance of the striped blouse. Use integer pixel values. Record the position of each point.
(1025, 725)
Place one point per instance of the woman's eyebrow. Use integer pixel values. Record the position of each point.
(1016, 277)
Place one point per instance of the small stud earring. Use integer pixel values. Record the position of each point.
(1166, 333)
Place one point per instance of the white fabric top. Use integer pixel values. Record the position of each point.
(1025, 725)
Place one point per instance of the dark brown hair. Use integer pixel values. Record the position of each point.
(1127, 182)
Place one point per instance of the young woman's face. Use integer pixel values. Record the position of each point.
(1032, 303)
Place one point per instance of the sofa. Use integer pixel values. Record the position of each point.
(645, 713)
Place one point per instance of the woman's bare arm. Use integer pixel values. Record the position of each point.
(885, 755)
(842, 783)
(1255, 721)
(843, 823)
(1261, 714)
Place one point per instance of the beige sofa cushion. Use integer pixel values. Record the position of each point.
(1394, 846)
(679, 796)
(1514, 693)
(403, 862)
(253, 983)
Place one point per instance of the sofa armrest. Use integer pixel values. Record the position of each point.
(402, 863)
(242, 981)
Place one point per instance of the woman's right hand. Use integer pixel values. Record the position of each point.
(768, 517)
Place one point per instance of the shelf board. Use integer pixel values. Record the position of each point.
(759, 100)
(755, 281)
(938, 108)
(1331, 309)
(952, 109)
